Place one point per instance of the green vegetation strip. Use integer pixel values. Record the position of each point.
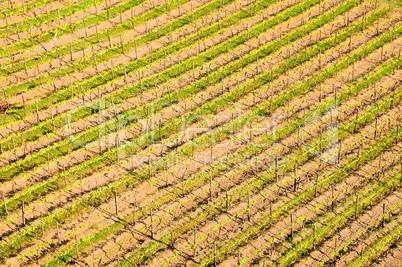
(374, 196)
(379, 247)
(227, 248)
(42, 157)
(103, 17)
(122, 97)
(191, 183)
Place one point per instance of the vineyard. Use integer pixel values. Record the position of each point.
(201, 133)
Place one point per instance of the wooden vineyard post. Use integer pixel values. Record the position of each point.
(23, 212)
(215, 253)
(332, 202)
(108, 37)
(121, 42)
(336, 245)
(357, 204)
(270, 212)
(178, 3)
(85, 26)
(276, 168)
(23, 103)
(76, 246)
(71, 51)
(160, 132)
(171, 234)
(37, 112)
(121, 17)
(193, 71)
(48, 162)
(227, 199)
(41, 223)
(357, 116)
(93, 256)
(248, 205)
(295, 181)
(58, 232)
(383, 215)
(136, 53)
(195, 240)
(210, 186)
(291, 225)
(375, 127)
(170, 98)
(320, 139)
(65, 179)
(314, 231)
(211, 150)
(135, 210)
(149, 167)
(150, 226)
(251, 131)
(316, 186)
(4, 201)
(115, 203)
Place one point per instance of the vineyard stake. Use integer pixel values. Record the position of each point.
(215, 253)
(93, 248)
(357, 204)
(195, 232)
(336, 247)
(41, 222)
(314, 240)
(136, 54)
(115, 203)
(179, 6)
(210, 186)
(276, 168)
(76, 246)
(4, 201)
(5, 96)
(227, 199)
(320, 139)
(291, 225)
(150, 217)
(171, 235)
(121, 41)
(357, 116)
(58, 232)
(85, 26)
(149, 167)
(248, 205)
(270, 212)
(135, 209)
(211, 150)
(23, 103)
(82, 189)
(295, 181)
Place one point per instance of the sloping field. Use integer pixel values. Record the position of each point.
(200, 133)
